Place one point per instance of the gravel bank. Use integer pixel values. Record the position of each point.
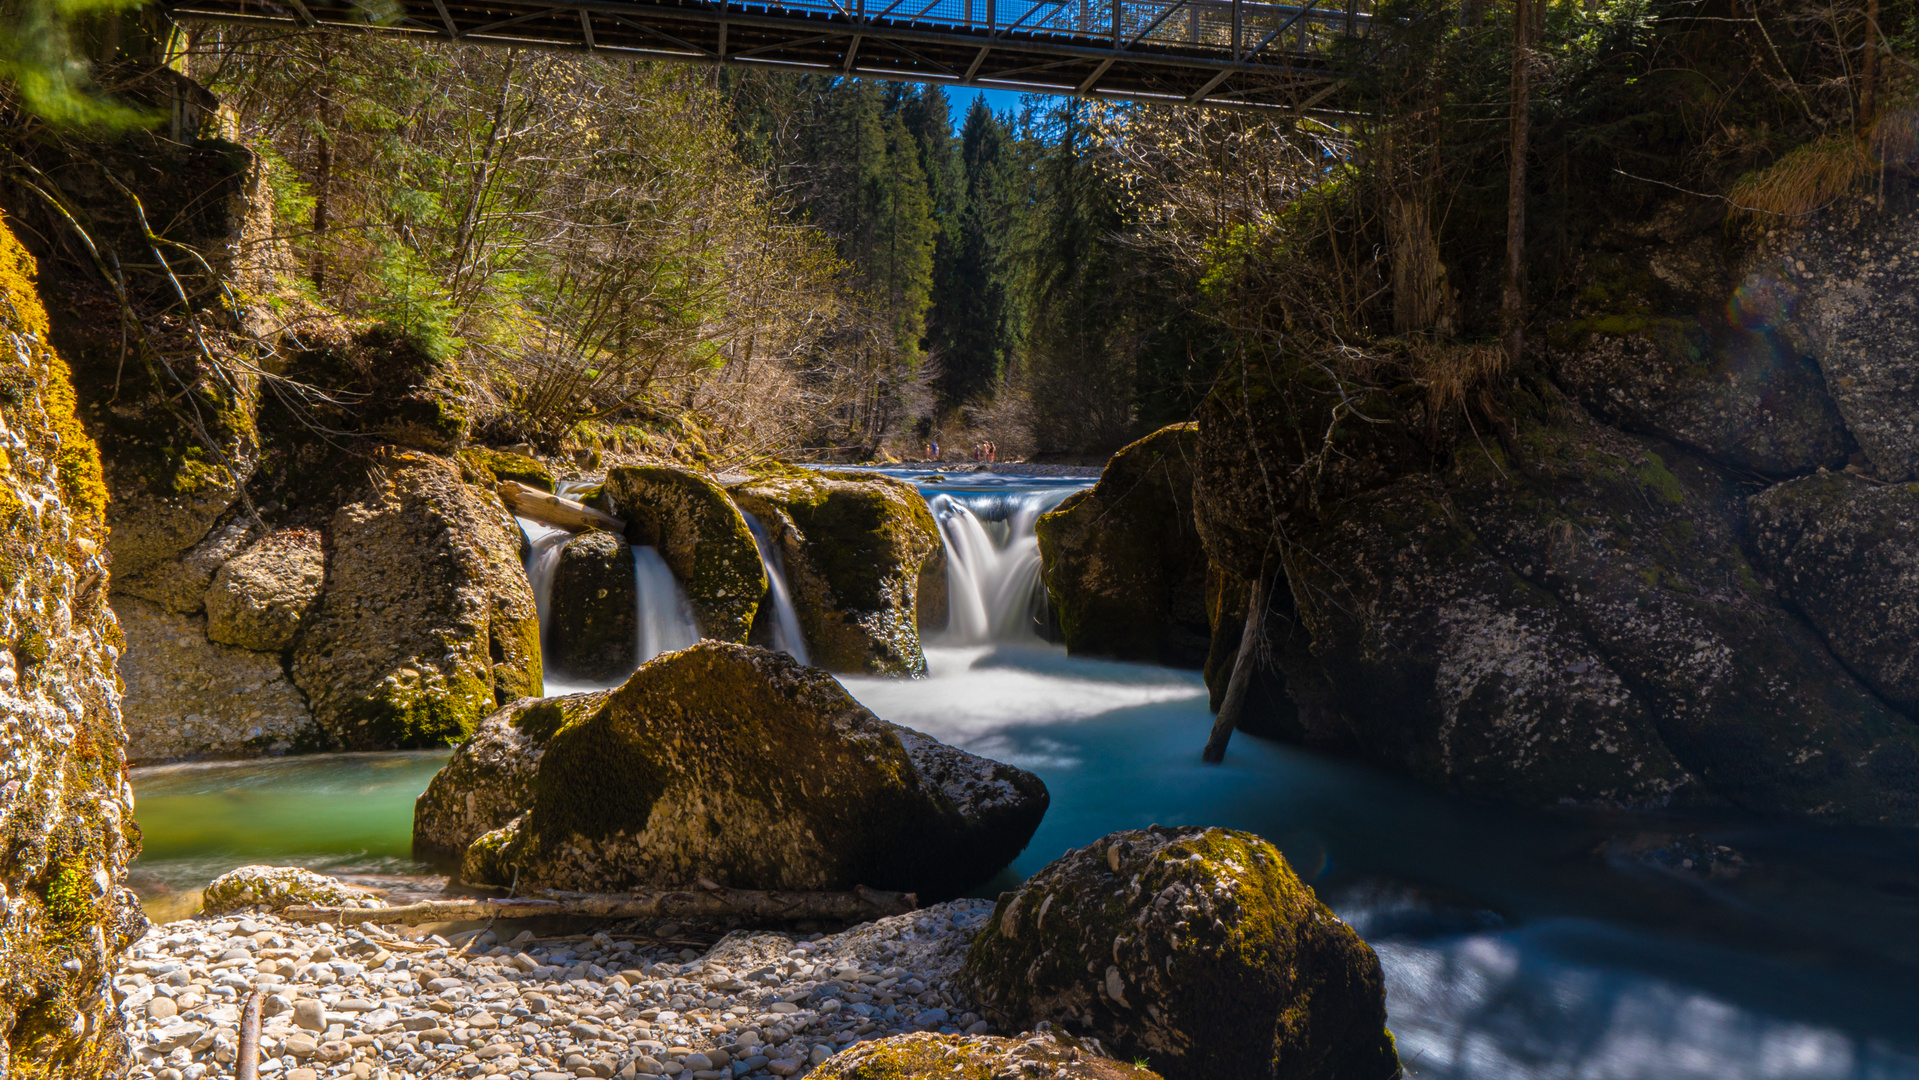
(365, 1002)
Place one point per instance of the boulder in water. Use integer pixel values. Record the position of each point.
(1845, 552)
(1123, 562)
(256, 601)
(857, 547)
(927, 1056)
(426, 623)
(702, 537)
(732, 763)
(271, 888)
(1198, 950)
(592, 626)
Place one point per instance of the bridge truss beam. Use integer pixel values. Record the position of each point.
(1220, 53)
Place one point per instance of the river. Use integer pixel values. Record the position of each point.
(1515, 944)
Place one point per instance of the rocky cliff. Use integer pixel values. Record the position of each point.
(66, 811)
(1670, 566)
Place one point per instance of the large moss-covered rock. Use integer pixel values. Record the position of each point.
(593, 622)
(740, 765)
(1844, 551)
(926, 1056)
(271, 888)
(857, 547)
(188, 697)
(1123, 562)
(1198, 950)
(426, 623)
(67, 807)
(506, 465)
(257, 599)
(702, 537)
(489, 781)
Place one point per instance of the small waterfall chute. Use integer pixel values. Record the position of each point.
(787, 637)
(666, 616)
(992, 582)
(542, 562)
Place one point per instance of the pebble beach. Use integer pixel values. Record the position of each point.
(375, 1004)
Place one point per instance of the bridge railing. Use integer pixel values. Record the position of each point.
(1239, 29)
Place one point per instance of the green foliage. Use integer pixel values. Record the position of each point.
(41, 58)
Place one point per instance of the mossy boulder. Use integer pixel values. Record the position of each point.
(702, 537)
(593, 625)
(501, 465)
(257, 599)
(425, 623)
(1123, 562)
(927, 1056)
(69, 809)
(1844, 552)
(271, 888)
(857, 547)
(385, 381)
(737, 764)
(1198, 950)
(489, 781)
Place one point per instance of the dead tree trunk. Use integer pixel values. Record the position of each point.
(1250, 642)
(1513, 299)
(709, 899)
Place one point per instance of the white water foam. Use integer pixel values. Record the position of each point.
(992, 581)
(787, 637)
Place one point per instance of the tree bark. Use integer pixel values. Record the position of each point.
(1513, 299)
(709, 899)
(1242, 678)
(1869, 66)
(246, 1064)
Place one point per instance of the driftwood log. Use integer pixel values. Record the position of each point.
(554, 509)
(709, 899)
(246, 1066)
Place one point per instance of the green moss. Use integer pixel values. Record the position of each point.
(73, 908)
(417, 711)
(1655, 477)
(702, 537)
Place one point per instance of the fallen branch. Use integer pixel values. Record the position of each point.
(555, 510)
(246, 1065)
(708, 900)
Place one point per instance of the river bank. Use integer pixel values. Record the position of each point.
(371, 1003)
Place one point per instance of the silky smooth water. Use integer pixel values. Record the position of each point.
(1513, 944)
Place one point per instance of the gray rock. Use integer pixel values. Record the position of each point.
(180, 583)
(593, 625)
(257, 599)
(187, 696)
(310, 1014)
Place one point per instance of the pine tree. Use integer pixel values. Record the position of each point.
(975, 311)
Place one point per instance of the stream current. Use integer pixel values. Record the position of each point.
(1515, 944)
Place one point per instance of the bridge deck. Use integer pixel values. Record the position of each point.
(1216, 52)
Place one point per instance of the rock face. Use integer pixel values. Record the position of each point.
(256, 600)
(1845, 552)
(1198, 950)
(593, 631)
(1123, 562)
(977, 1057)
(856, 548)
(190, 697)
(426, 623)
(1840, 290)
(270, 888)
(673, 776)
(702, 537)
(66, 815)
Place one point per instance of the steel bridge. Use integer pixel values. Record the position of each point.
(1222, 53)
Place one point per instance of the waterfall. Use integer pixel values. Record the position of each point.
(786, 621)
(993, 588)
(665, 617)
(542, 561)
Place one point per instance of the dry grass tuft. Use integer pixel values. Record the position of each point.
(1805, 180)
(1452, 373)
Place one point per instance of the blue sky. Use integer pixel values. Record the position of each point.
(960, 98)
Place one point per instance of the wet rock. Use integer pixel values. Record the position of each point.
(1844, 551)
(270, 888)
(940, 1057)
(857, 547)
(68, 806)
(1123, 562)
(489, 780)
(593, 630)
(256, 600)
(702, 537)
(186, 696)
(1839, 288)
(1196, 949)
(670, 778)
(426, 623)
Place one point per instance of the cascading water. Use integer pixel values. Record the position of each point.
(787, 637)
(665, 616)
(992, 581)
(542, 561)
